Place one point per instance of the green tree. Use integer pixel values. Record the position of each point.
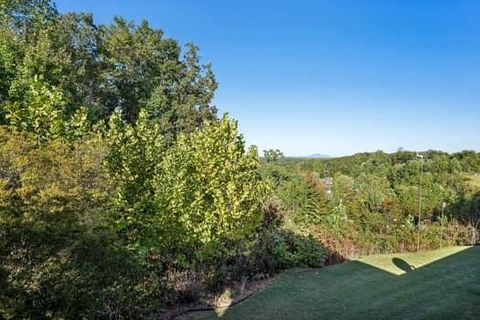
(42, 111)
(135, 153)
(101, 68)
(209, 188)
(272, 155)
(143, 68)
(185, 105)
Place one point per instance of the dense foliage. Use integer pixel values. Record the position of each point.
(52, 66)
(379, 202)
(120, 191)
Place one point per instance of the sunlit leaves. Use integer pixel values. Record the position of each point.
(211, 185)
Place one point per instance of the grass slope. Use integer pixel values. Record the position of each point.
(441, 284)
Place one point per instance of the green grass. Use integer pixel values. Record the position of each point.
(442, 284)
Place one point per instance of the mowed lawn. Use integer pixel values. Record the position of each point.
(441, 284)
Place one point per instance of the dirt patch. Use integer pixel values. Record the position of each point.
(230, 297)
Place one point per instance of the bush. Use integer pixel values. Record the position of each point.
(58, 257)
(351, 242)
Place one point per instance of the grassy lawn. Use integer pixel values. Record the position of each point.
(442, 284)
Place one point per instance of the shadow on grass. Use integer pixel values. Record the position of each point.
(403, 265)
(448, 288)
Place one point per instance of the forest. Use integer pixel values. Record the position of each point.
(123, 192)
(379, 202)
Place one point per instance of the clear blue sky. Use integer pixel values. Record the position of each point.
(333, 77)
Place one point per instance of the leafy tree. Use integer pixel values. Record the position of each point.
(272, 155)
(209, 189)
(42, 111)
(101, 68)
(202, 190)
(135, 153)
(185, 105)
(373, 190)
(143, 68)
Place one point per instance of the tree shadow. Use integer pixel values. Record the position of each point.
(403, 265)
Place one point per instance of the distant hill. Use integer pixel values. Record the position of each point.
(311, 156)
(318, 156)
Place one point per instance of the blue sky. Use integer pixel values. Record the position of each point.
(333, 77)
